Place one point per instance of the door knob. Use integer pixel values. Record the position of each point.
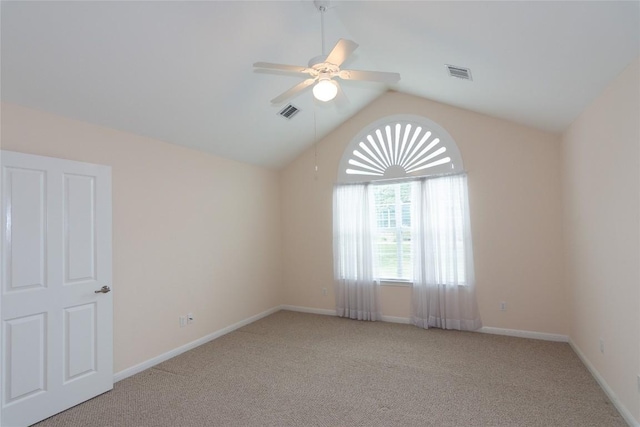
(103, 290)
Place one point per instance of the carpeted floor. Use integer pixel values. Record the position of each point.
(294, 369)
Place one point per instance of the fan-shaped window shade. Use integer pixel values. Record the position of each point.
(399, 147)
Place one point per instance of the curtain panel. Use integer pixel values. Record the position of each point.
(354, 266)
(443, 294)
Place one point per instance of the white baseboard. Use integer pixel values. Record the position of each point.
(405, 320)
(193, 344)
(324, 311)
(524, 334)
(605, 387)
(328, 312)
(394, 319)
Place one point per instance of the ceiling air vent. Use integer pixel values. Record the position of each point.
(289, 111)
(459, 72)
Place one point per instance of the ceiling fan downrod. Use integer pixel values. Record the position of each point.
(322, 6)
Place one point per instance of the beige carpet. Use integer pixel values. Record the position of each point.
(294, 369)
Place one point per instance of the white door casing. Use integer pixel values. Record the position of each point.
(56, 330)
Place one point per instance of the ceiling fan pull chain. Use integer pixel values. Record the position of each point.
(315, 143)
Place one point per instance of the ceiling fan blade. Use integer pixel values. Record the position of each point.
(341, 51)
(293, 91)
(372, 76)
(282, 67)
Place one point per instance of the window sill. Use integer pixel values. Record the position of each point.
(404, 283)
(398, 283)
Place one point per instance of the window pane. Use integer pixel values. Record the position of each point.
(405, 192)
(407, 259)
(393, 238)
(406, 215)
(387, 254)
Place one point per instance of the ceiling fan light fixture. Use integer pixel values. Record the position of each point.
(325, 90)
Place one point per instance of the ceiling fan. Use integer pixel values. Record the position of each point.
(324, 69)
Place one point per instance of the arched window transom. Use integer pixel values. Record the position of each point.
(397, 147)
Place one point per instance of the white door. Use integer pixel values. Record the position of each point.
(57, 333)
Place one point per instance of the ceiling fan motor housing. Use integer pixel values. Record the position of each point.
(323, 68)
(317, 60)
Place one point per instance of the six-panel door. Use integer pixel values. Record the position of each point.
(56, 252)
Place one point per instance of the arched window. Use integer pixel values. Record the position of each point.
(400, 146)
(401, 213)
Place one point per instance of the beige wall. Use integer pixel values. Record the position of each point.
(515, 202)
(191, 232)
(601, 165)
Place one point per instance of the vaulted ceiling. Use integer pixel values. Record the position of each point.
(182, 71)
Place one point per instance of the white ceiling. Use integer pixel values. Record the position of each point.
(182, 71)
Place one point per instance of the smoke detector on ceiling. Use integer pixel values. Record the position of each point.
(459, 72)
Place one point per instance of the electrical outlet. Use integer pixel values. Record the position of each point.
(324, 292)
(503, 306)
(190, 318)
(601, 341)
(183, 321)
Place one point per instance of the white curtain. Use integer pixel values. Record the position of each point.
(443, 293)
(356, 288)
